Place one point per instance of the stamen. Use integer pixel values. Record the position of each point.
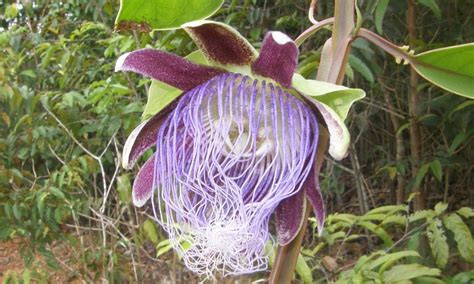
(232, 149)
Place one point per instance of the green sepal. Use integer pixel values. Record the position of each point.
(160, 94)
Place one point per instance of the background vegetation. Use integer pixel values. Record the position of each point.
(64, 116)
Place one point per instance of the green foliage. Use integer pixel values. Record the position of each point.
(162, 14)
(384, 266)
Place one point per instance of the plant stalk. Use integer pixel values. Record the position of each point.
(332, 69)
(413, 103)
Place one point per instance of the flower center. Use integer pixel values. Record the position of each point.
(239, 139)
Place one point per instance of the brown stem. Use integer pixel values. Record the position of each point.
(333, 71)
(413, 103)
(285, 260)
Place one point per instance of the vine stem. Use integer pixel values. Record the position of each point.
(313, 29)
(332, 69)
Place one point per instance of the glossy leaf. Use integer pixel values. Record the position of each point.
(451, 68)
(147, 15)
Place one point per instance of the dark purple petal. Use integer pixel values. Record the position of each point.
(289, 217)
(278, 58)
(166, 67)
(221, 43)
(143, 183)
(144, 136)
(313, 193)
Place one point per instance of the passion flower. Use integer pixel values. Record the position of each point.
(237, 144)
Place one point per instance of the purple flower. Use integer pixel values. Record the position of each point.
(238, 144)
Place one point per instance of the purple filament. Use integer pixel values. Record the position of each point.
(233, 148)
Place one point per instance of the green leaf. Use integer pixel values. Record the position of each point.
(341, 217)
(11, 11)
(433, 7)
(427, 280)
(451, 68)
(379, 14)
(457, 141)
(438, 243)
(440, 207)
(389, 209)
(462, 235)
(421, 214)
(124, 188)
(150, 231)
(381, 233)
(397, 219)
(388, 260)
(361, 67)
(163, 247)
(437, 169)
(421, 174)
(463, 277)
(303, 270)
(404, 272)
(146, 15)
(58, 193)
(466, 212)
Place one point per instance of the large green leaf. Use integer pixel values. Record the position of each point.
(451, 68)
(147, 15)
